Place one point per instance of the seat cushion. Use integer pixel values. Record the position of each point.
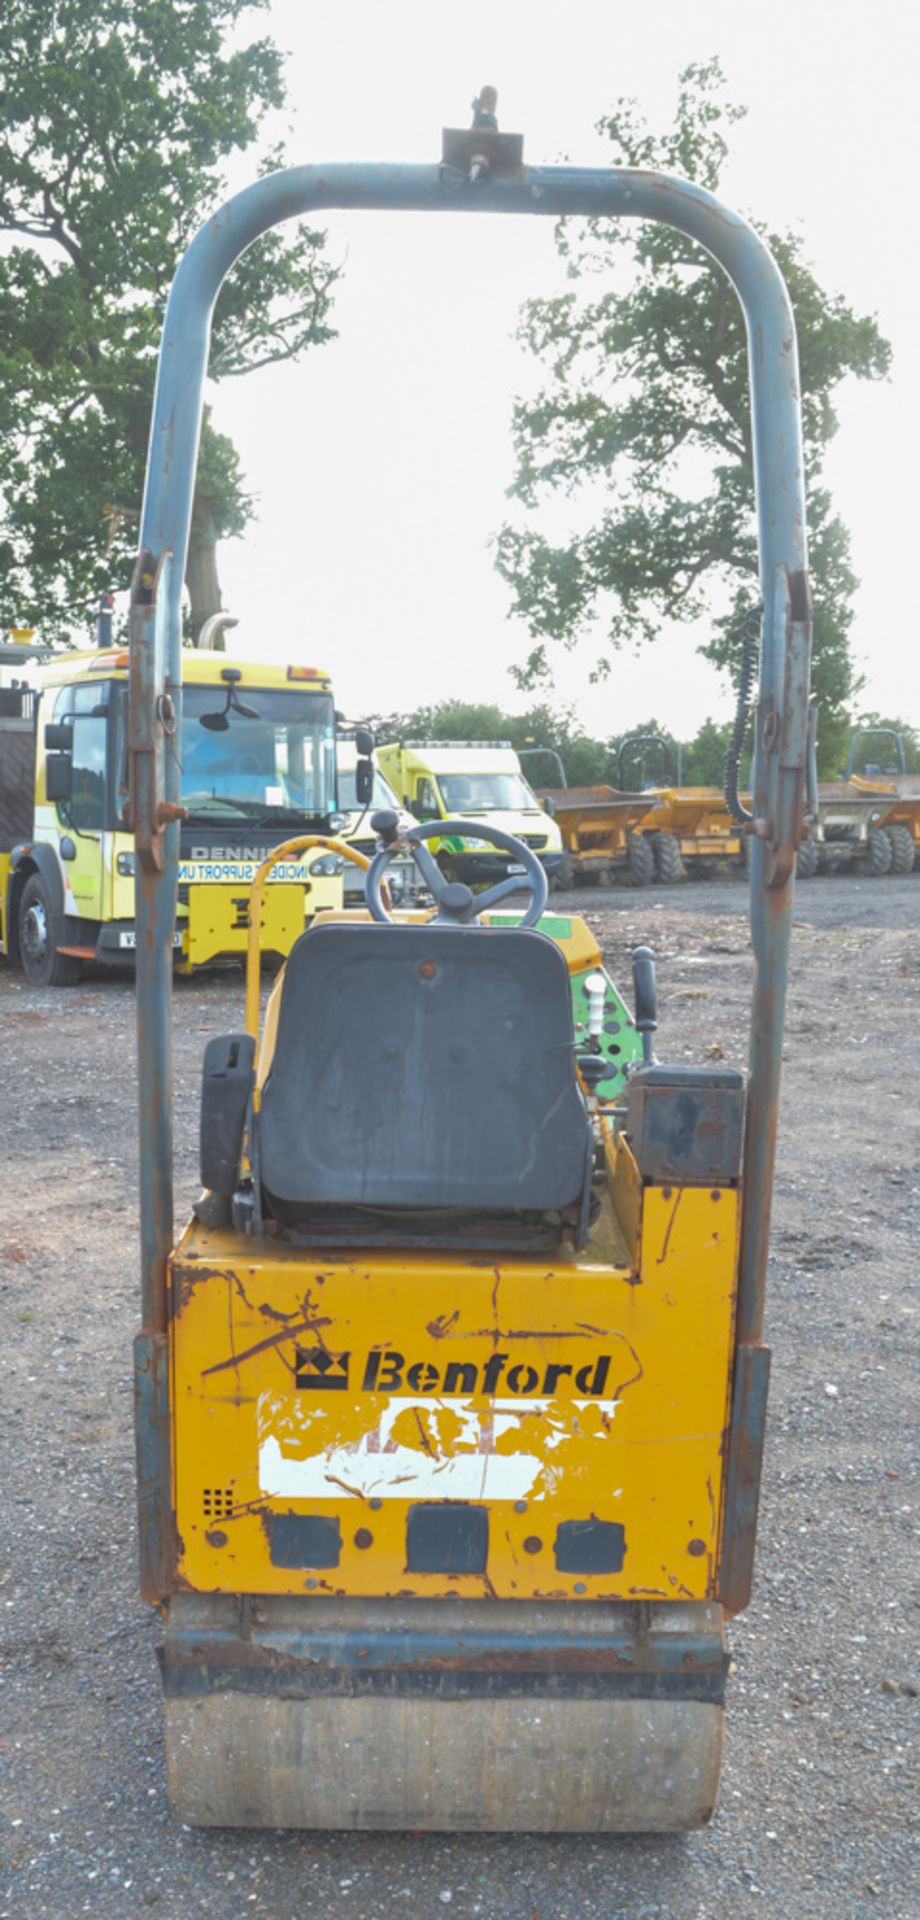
(424, 1067)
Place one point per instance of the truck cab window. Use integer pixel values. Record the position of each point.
(86, 806)
(87, 707)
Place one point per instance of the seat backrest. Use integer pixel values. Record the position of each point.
(424, 1067)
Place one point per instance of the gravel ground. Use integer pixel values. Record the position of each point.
(819, 1803)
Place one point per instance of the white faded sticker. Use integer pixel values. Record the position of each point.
(442, 1449)
(196, 872)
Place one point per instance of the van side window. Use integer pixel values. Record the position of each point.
(427, 803)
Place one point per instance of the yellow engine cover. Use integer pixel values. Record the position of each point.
(420, 1424)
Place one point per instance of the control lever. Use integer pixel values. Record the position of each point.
(594, 1068)
(386, 825)
(646, 998)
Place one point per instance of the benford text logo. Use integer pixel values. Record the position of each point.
(386, 1371)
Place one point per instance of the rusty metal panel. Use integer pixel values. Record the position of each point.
(742, 1492)
(686, 1123)
(569, 1417)
(443, 1715)
(151, 1427)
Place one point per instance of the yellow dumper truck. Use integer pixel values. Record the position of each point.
(256, 751)
(475, 780)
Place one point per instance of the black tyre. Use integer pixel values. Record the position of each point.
(42, 965)
(877, 857)
(562, 877)
(641, 860)
(699, 869)
(806, 860)
(901, 842)
(668, 863)
(602, 876)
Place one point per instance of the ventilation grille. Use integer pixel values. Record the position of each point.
(217, 1503)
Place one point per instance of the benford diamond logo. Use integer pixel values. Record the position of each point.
(323, 1371)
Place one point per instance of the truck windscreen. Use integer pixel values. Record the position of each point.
(485, 793)
(268, 755)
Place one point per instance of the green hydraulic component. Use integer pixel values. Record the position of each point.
(620, 1041)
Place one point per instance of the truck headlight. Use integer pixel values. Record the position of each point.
(328, 865)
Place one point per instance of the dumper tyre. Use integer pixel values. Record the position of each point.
(562, 877)
(877, 858)
(806, 860)
(641, 860)
(901, 841)
(42, 965)
(669, 866)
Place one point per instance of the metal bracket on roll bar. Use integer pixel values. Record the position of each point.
(783, 737)
(152, 712)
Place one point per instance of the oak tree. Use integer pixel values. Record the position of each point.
(118, 119)
(644, 422)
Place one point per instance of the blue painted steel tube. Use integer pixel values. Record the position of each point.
(623, 193)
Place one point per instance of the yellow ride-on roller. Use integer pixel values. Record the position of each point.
(451, 1396)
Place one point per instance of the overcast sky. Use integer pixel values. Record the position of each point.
(380, 463)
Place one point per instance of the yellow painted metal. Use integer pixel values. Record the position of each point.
(596, 822)
(257, 909)
(578, 943)
(198, 669)
(626, 1187)
(699, 819)
(545, 1391)
(902, 791)
(218, 921)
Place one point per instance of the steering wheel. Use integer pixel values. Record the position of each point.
(455, 904)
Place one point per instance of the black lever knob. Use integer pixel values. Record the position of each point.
(386, 825)
(594, 1067)
(646, 997)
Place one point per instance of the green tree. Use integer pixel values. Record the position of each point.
(553, 728)
(118, 116)
(647, 394)
(704, 756)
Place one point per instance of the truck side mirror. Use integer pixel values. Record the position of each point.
(364, 740)
(58, 775)
(364, 783)
(548, 804)
(59, 735)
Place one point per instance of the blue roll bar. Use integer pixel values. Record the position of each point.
(156, 691)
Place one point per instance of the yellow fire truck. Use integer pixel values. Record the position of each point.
(256, 748)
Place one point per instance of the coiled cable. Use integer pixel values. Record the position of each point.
(750, 648)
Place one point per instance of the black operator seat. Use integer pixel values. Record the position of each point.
(424, 1067)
